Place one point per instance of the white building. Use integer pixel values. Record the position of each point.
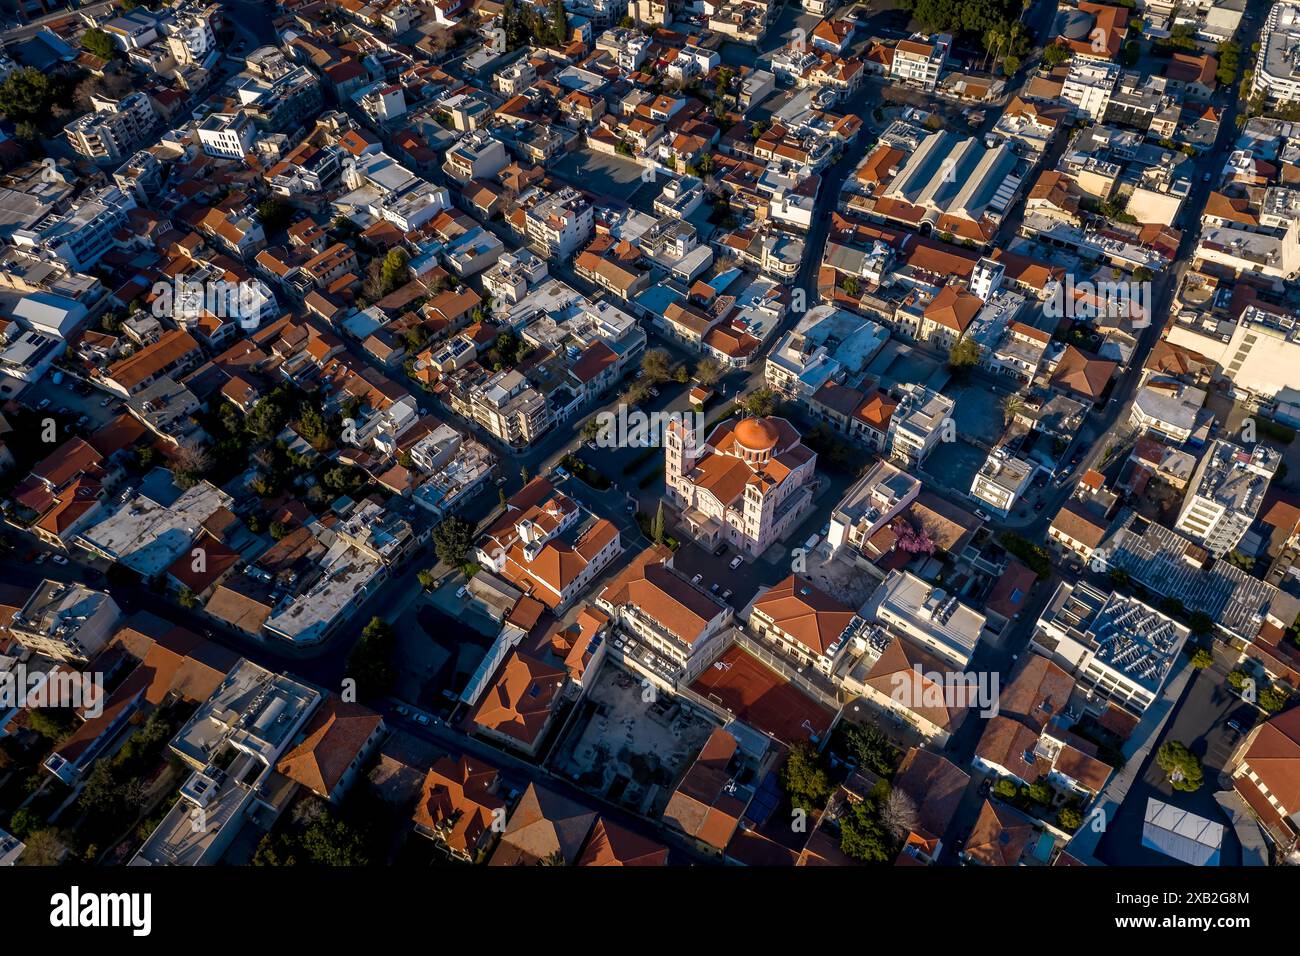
(1002, 480)
(923, 417)
(919, 62)
(67, 622)
(1277, 72)
(1088, 86)
(1225, 494)
(928, 616)
(1118, 649)
(226, 135)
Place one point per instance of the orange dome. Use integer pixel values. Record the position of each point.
(757, 434)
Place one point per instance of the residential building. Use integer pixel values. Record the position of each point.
(923, 418)
(66, 622)
(1226, 493)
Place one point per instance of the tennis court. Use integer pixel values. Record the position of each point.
(760, 697)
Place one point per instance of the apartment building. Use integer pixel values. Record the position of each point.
(231, 745)
(805, 623)
(547, 546)
(919, 61)
(114, 130)
(750, 483)
(875, 499)
(226, 135)
(923, 418)
(507, 405)
(66, 622)
(82, 235)
(1264, 773)
(928, 616)
(1226, 493)
(560, 224)
(1002, 480)
(1259, 351)
(1089, 85)
(1277, 72)
(668, 627)
(1119, 650)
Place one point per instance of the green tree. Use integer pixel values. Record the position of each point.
(426, 579)
(760, 403)
(1182, 766)
(371, 661)
(872, 749)
(863, 836)
(28, 95)
(394, 272)
(964, 353)
(452, 540)
(656, 366)
(657, 525)
(1202, 658)
(1069, 818)
(804, 780)
(1006, 789)
(1274, 699)
(1055, 54)
(186, 598)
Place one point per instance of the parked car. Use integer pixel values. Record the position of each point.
(421, 719)
(105, 403)
(631, 507)
(41, 558)
(812, 542)
(43, 404)
(735, 562)
(720, 550)
(402, 711)
(697, 579)
(726, 595)
(713, 589)
(1235, 727)
(982, 515)
(59, 559)
(462, 591)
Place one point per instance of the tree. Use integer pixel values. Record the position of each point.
(1012, 405)
(873, 750)
(707, 371)
(656, 366)
(393, 272)
(273, 213)
(1040, 792)
(863, 836)
(1055, 54)
(29, 95)
(1182, 766)
(24, 822)
(559, 23)
(426, 579)
(1202, 659)
(1006, 789)
(657, 525)
(804, 780)
(370, 663)
(452, 540)
(99, 43)
(898, 814)
(44, 848)
(964, 353)
(186, 598)
(1273, 699)
(1069, 818)
(760, 403)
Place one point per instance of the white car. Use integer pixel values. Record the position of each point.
(735, 562)
(979, 513)
(59, 559)
(462, 591)
(697, 579)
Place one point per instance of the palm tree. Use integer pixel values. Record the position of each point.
(1012, 405)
